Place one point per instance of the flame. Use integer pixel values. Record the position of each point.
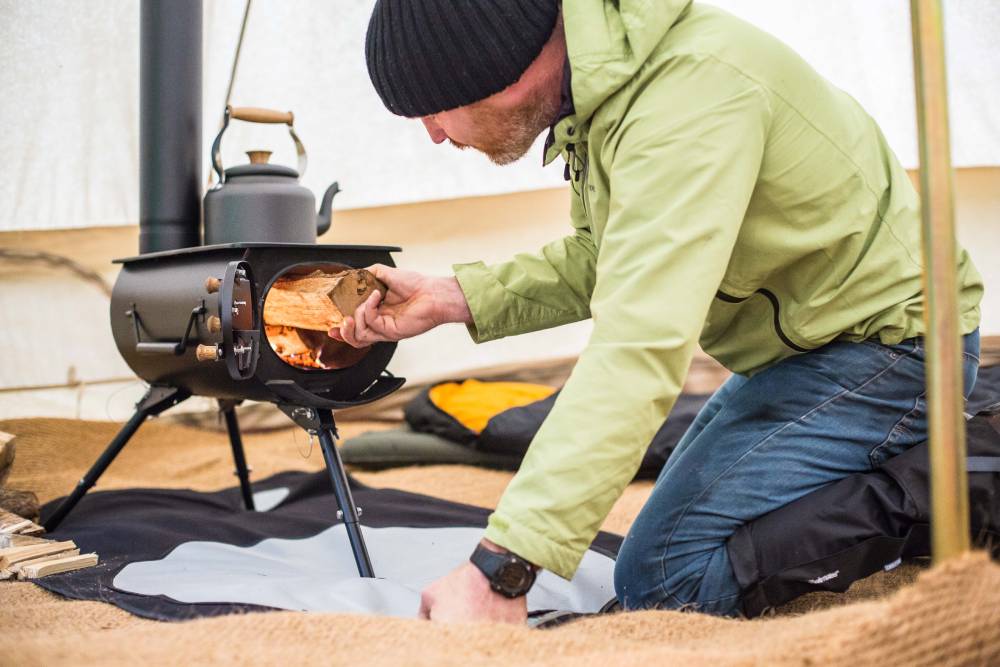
(288, 344)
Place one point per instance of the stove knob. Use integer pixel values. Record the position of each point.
(208, 353)
(212, 285)
(214, 324)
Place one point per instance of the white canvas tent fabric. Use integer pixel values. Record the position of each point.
(69, 126)
(69, 136)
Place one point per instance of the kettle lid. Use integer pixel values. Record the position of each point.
(259, 166)
(261, 170)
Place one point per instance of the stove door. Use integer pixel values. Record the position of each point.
(238, 310)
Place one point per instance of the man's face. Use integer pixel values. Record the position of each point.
(503, 129)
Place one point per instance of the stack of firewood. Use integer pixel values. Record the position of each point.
(23, 553)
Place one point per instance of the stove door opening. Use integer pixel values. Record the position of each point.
(302, 304)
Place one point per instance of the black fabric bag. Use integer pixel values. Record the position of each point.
(510, 432)
(862, 524)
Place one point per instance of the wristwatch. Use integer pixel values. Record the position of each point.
(509, 575)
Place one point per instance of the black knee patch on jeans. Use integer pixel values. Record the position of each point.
(859, 525)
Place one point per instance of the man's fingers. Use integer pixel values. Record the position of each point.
(365, 315)
(363, 329)
(399, 283)
(347, 332)
(381, 271)
(425, 606)
(371, 308)
(384, 273)
(351, 333)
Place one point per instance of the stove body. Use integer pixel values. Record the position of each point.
(191, 319)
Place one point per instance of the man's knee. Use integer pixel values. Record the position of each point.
(702, 581)
(638, 577)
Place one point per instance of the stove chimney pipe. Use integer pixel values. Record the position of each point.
(170, 44)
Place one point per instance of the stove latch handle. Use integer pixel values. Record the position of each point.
(176, 348)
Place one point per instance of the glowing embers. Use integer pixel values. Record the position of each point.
(311, 349)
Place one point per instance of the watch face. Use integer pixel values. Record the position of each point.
(514, 577)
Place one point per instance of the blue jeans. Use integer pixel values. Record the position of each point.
(760, 443)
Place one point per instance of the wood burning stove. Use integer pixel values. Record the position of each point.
(192, 319)
(190, 322)
(188, 319)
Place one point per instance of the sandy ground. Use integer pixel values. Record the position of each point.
(45, 629)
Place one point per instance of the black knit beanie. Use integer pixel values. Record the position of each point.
(427, 56)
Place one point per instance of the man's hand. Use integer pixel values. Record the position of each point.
(415, 304)
(465, 596)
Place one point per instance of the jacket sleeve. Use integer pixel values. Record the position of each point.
(681, 168)
(532, 291)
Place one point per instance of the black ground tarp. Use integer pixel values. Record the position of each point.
(147, 524)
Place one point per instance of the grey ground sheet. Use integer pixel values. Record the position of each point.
(318, 573)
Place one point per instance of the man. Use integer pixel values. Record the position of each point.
(724, 193)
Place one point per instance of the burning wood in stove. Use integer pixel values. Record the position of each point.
(287, 343)
(299, 310)
(318, 301)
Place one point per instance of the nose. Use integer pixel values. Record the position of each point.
(433, 129)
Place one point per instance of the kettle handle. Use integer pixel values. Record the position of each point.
(257, 115)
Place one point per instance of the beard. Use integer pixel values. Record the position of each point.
(506, 135)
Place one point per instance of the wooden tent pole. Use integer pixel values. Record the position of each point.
(949, 487)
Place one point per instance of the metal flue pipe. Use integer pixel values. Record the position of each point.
(949, 485)
(170, 43)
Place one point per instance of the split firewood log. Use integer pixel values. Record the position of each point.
(22, 503)
(6, 455)
(13, 523)
(318, 301)
(8, 540)
(287, 342)
(13, 555)
(57, 566)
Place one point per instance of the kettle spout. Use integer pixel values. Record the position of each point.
(326, 209)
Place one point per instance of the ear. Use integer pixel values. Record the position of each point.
(437, 134)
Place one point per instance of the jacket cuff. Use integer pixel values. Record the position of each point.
(481, 288)
(536, 548)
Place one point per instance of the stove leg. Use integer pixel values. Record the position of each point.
(342, 491)
(156, 400)
(233, 427)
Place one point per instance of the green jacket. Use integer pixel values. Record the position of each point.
(728, 195)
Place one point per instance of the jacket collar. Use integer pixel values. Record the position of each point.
(566, 110)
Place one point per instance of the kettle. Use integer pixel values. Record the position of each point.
(262, 202)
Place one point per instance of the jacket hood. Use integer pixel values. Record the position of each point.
(607, 41)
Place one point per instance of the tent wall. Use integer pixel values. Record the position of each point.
(69, 135)
(57, 332)
(69, 129)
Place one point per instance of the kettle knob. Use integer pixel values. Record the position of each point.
(259, 157)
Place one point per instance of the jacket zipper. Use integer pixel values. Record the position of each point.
(769, 295)
(581, 185)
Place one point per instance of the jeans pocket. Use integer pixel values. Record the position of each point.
(910, 430)
(905, 348)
